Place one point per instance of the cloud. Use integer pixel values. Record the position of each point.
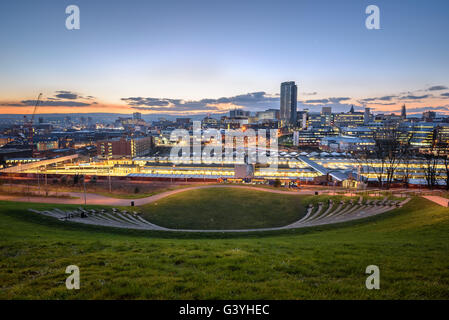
(445, 94)
(309, 93)
(52, 103)
(437, 88)
(46, 103)
(12, 104)
(413, 97)
(254, 101)
(328, 100)
(386, 103)
(62, 98)
(384, 98)
(139, 101)
(67, 95)
(317, 101)
(338, 100)
(423, 109)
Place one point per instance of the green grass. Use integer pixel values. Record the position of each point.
(410, 245)
(225, 208)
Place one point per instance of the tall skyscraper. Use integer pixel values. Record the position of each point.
(403, 112)
(367, 116)
(289, 96)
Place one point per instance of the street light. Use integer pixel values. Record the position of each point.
(110, 183)
(327, 178)
(84, 187)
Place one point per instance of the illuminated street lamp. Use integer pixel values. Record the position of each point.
(327, 178)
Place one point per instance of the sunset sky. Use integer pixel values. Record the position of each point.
(187, 57)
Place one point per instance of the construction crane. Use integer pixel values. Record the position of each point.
(29, 124)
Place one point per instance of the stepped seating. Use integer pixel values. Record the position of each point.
(316, 214)
(348, 210)
(122, 219)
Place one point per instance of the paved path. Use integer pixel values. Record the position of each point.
(96, 199)
(438, 200)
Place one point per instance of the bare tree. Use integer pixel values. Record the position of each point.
(431, 161)
(385, 156)
(393, 150)
(388, 155)
(407, 155)
(442, 153)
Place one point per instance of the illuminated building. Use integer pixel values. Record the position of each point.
(128, 147)
(289, 98)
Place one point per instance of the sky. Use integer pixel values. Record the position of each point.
(184, 57)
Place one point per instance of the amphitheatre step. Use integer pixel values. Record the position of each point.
(325, 213)
(316, 215)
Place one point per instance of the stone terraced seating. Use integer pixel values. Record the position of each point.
(318, 214)
(348, 210)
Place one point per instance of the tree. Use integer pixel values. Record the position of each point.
(384, 157)
(277, 183)
(431, 161)
(407, 155)
(445, 159)
(442, 150)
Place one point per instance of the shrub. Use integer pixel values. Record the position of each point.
(277, 183)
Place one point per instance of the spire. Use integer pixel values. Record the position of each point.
(352, 109)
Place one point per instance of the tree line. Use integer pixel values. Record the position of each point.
(395, 155)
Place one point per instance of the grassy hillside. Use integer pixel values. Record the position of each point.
(410, 245)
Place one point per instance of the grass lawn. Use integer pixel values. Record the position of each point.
(225, 208)
(410, 245)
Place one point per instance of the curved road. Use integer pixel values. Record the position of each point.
(96, 199)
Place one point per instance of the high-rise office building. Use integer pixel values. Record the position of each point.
(367, 116)
(137, 116)
(403, 113)
(289, 95)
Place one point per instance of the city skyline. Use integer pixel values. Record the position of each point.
(147, 57)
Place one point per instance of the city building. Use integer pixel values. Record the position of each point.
(237, 113)
(345, 143)
(270, 114)
(124, 147)
(359, 132)
(311, 137)
(288, 107)
(403, 112)
(8, 153)
(349, 119)
(49, 144)
(367, 116)
(428, 116)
